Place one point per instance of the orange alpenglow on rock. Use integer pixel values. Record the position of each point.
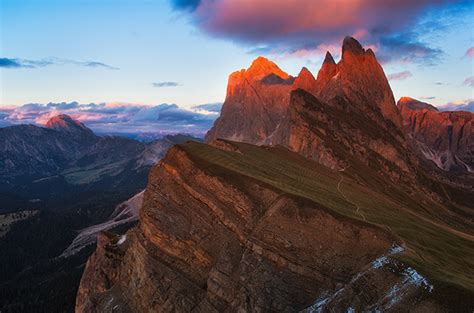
(65, 123)
(328, 70)
(256, 101)
(258, 98)
(305, 80)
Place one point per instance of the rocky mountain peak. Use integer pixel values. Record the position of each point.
(328, 59)
(327, 71)
(65, 123)
(305, 80)
(413, 104)
(262, 67)
(256, 101)
(351, 45)
(362, 80)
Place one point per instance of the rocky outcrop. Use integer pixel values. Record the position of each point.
(327, 71)
(305, 80)
(361, 80)
(256, 101)
(228, 231)
(109, 254)
(205, 244)
(351, 109)
(407, 103)
(445, 138)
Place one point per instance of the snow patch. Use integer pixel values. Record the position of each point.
(384, 259)
(393, 295)
(416, 278)
(122, 239)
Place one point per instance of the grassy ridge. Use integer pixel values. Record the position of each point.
(435, 248)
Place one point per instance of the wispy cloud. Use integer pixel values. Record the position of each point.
(185, 4)
(405, 48)
(400, 76)
(97, 64)
(25, 63)
(469, 81)
(208, 107)
(463, 105)
(165, 84)
(428, 98)
(9, 63)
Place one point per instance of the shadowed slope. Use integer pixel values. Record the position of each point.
(239, 227)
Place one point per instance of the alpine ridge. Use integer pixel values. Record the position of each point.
(308, 196)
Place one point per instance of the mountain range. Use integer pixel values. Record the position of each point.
(308, 195)
(67, 184)
(49, 164)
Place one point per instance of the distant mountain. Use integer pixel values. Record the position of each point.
(65, 123)
(445, 138)
(66, 157)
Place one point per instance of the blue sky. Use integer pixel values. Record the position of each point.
(181, 52)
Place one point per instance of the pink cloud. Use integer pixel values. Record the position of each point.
(294, 25)
(469, 53)
(469, 81)
(115, 116)
(400, 76)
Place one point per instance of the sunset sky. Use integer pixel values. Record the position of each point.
(121, 57)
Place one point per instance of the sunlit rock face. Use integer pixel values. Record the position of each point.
(360, 78)
(349, 105)
(306, 81)
(256, 102)
(211, 241)
(67, 124)
(445, 138)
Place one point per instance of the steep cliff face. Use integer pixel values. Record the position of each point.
(256, 101)
(337, 134)
(348, 110)
(228, 230)
(445, 138)
(361, 80)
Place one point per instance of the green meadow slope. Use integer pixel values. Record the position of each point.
(440, 248)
